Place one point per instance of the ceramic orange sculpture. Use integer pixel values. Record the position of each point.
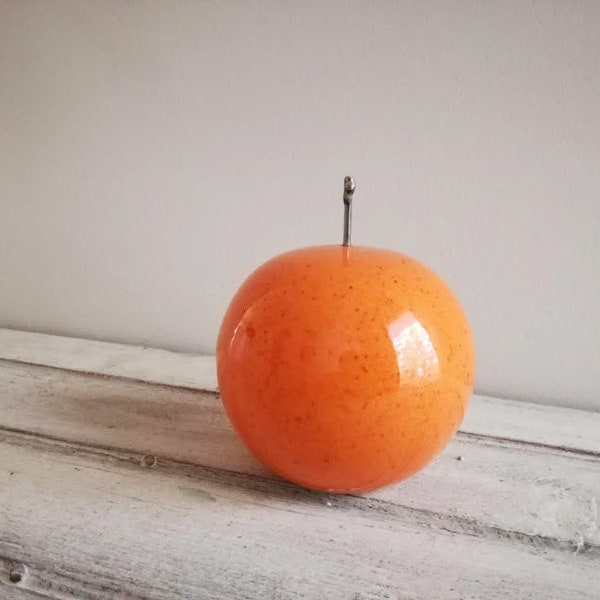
(345, 368)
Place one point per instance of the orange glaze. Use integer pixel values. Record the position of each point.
(345, 368)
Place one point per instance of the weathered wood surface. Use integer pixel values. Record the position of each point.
(96, 524)
(536, 423)
(515, 517)
(536, 490)
(90, 356)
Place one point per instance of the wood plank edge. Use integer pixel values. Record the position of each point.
(580, 452)
(152, 365)
(198, 372)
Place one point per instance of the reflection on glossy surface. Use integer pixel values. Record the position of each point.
(417, 358)
(345, 369)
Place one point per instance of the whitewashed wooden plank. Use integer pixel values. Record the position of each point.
(95, 524)
(548, 496)
(119, 360)
(183, 424)
(536, 423)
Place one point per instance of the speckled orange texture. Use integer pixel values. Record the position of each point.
(345, 369)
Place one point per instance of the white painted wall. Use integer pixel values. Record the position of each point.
(153, 153)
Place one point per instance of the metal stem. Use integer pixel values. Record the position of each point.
(349, 188)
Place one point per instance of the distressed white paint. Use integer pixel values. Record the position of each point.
(90, 356)
(520, 487)
(153, 153)
(537, 423)
(101, 526)
(512, 518)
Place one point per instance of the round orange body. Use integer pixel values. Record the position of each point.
(345, 369)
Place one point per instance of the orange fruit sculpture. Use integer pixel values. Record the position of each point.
(345, 368)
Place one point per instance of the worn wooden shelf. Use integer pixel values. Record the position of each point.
(120, 477)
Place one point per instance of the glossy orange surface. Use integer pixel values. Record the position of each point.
(345, 369)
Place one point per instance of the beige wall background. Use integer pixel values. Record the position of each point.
(152, 154)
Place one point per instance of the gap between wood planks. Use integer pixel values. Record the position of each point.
(499, 421)
(558, 427)
(183, 427)
(162, 532)
(511, 425)
(276, 487)
(528, 486)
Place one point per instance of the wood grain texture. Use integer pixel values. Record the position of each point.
(555, 426)
(537, 491)
(116, 488)
(97, 524)
(120, 360)
(536, 423)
